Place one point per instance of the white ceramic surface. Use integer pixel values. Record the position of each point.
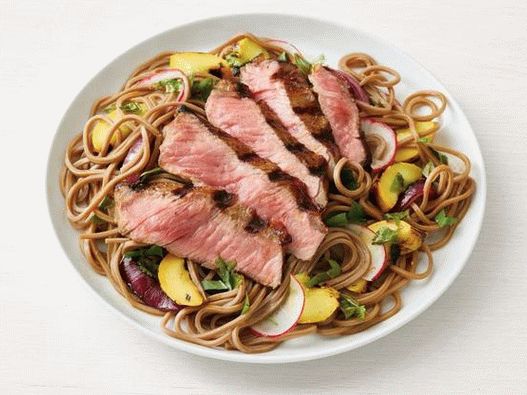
(313, 37)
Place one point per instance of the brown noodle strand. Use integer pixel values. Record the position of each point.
(88, 176)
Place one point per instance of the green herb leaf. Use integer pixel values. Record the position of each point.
(106, 203)
(110, 108)
(302, 64)
(95, 219)
(442, 157)
(201, 89)
(282, 57)
(444, 220)
(397, 217)
(147, 258)
(320, 59)
(132, 107)
(337, 219)
(429, 167)
(334, 271)
(173, 85)
(424, 140)
(398, 183)
(214, 285)
(385, 235)
(351, 308)
(355, 214)
(233, 59)
(348, 179)
(225, 271)
(246, 305)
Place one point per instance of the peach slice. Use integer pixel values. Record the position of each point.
(407, 237)
(409, 152)
(387, 194)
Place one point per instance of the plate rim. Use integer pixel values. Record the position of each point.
(267, 358)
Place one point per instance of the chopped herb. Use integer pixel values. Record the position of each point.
(337, 219)
(145, 177)
(395, 252)
(106, 203)
(398, 183)
(246, 305)
(424, 140)
(173, 85)
(282, 57)
(214, 285)
(320, 59)
(225, 271)
(95, 219)
(351, 308)
(347, 178)
(441, 157)
(333, 272)
(132, 107)
(233, 59)
(110, 108)
(355, 214)
(201, 88)
(385, 235)
(444, 220)
(397, 217)
(302, 64)
(429, 167)
(147, 258)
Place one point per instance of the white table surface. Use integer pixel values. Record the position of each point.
(56, 338)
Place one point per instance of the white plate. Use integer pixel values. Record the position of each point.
(313, 37)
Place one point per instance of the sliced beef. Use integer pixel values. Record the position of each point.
(340, 109)
(287, 92)
(195, 149)
(243, 119)
(201, 224)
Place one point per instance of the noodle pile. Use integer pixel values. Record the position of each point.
(89, 176)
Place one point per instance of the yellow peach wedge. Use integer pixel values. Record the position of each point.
(175, 281)
(408, 238)
(387, 194)
(409, 151)
(320, 303)
(191, 63)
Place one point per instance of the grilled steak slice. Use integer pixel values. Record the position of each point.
(286, 91)
(243, 119)
(193, 223)
(195, 149)
(340, 109)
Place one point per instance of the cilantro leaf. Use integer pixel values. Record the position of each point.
(169, 85)
(246, 305)
(355, 214)
(147, 258)
(333, 272)
(398, 183)
(109, 108)
(351, 308)
(302, 64)
(441, 157)
(131, 107)
(397, 217)
(337, 219)
(444, 220)
(225, 271)
(214, 285)
(385, 235)
(282, 57)
(106, 203)
(201, 88)
(429, 167)
(233, 60)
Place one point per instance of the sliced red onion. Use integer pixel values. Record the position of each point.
(413, 194)
(145, 287)
(167, 74)
(353, 85)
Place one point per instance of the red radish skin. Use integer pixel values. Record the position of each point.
(377, 129)
(145, 287)
(378, 253)
(291, 310)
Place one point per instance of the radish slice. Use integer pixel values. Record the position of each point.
(378, 252)
(286, 317)
(382, 141)
(167, 74)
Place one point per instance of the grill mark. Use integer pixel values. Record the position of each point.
(311, 110)
(223, 199)
(255, 224)
(183, 191)
(296, 187)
